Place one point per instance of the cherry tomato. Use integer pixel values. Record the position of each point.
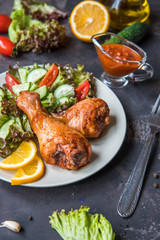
(50, 76)
(10, 81)
(82, 90)
(4, 23)
(6, 46)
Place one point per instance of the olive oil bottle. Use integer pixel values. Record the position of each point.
(126, 12)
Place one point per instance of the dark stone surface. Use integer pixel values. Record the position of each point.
(101, 191)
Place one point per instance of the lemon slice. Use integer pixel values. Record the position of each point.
(32, 172)
(89, 18)
(21, 157)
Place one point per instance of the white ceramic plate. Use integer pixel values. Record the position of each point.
(103, 149)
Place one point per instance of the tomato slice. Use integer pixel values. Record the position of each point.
(10, 81)
(50, 76)
(82, 90)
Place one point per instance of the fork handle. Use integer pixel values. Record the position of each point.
(130, 196)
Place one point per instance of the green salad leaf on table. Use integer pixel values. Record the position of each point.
(79, 225)
(59, 88)
(39, 10)
(35, 27)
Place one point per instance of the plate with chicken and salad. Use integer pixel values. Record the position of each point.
(77, 123)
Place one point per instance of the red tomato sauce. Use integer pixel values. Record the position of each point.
(112, 63)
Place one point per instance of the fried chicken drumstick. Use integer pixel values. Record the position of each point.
(59, 144)
(88, 116)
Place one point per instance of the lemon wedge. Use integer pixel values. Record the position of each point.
(24, 154)
(89, 18)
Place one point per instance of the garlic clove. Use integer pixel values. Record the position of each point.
(12, 225)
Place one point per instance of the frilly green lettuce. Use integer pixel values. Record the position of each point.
(19, 130)
(78, 225)
(35, 30)
(19, 23)
(39, 10)
(17, 5)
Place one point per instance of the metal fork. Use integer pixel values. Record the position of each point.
(130, 196)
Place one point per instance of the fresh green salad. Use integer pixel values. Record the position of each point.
(35, 27)
(14, 124)
(78, 225)
(59, 88)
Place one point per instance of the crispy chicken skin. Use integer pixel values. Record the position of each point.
(88, 116)
(59, 144)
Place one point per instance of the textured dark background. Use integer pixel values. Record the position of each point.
(101, 191)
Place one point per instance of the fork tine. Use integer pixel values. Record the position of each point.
(156, 105)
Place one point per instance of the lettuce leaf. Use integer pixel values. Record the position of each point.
(80, 76)
(30, 34)
(19, 130)
(41, 39)
(39, 10)
(20, 21)
(17, 5)
(78, 225)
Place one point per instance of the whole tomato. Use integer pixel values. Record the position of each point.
(4, 23)
(6, 46)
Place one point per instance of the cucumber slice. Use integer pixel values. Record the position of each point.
(26, 124)
(23, 72)
(43, 91)
(3, 119)
(63, 100)
(20, 87)
(36, 74)
(1, 93)
(4, 130)
(64, 90)
(33, 87)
